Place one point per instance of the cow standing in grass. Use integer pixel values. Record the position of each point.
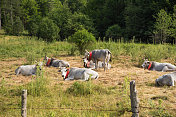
(56, 63)
(156, 66)
(103, 55)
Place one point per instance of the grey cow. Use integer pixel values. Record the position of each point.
(103, 55)
(78, 74)
(91, 64)
(56, 63)
(27, 70)
(156, 66)
(167, 79)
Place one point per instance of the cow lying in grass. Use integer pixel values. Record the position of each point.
(27, 70)
(90, 64)
(156, 66)
(167, 79)
(56, 63)
(78, 74)
(103, 55)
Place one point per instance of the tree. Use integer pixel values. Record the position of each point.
(82, 39)
(61, 16)
(173, 26)
(48, 30)
(17, 26)
(30, 12)
(0, 12)
(162, 25)
(12, 16)
(76, 5)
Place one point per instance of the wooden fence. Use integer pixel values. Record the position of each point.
(133, 97)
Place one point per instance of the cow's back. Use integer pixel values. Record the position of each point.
(28, 69)
(99, 54)
(160, 66)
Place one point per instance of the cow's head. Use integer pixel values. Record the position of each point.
(86, 55)
(145, 64)
(46, 58)
(39, 65)
(85, 61)
(64, 72)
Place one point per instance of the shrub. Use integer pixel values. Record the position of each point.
(48, 30)
(79, 89)
(82, 39)
(159, 110)
(114, 32)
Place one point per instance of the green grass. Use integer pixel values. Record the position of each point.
(49, 100)
(33, 49)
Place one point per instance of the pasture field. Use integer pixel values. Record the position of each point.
(108, 96)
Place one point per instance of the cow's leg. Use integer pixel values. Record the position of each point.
(70, 78)
(172, 81)
(85, 76)
(96, 64)
(104, 65)
(18, 71)
(165, 69)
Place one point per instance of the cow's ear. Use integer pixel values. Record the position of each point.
(59, 70)
(86, 51)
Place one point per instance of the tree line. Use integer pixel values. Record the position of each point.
(148, 21)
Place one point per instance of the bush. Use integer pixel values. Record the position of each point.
(82, 39)
(114, 32)
(79, 89)
(48, 30)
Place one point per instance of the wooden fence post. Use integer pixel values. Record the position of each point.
(134, 100)
(24, 103)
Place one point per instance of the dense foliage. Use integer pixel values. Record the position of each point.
(143, 20)
(82, 39)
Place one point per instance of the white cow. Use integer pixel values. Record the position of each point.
(56, 63)
(78, 74)
(27, 70)
(167, 79)
(90, 64)
(156, 66)
(103, 55)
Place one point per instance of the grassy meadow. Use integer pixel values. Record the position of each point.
(50, 96)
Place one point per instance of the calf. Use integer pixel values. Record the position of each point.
(56, 63)
(103, 55)
(90, 64)
(156, 66)
(27, 70)
(167, 79)
(78, 74)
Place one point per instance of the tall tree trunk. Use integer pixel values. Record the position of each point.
(11, 12)
(0, 13)
(0, 18)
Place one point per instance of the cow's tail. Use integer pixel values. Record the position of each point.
(110, 55)
(17, 71)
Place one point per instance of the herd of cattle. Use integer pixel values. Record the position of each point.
(98, 59)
